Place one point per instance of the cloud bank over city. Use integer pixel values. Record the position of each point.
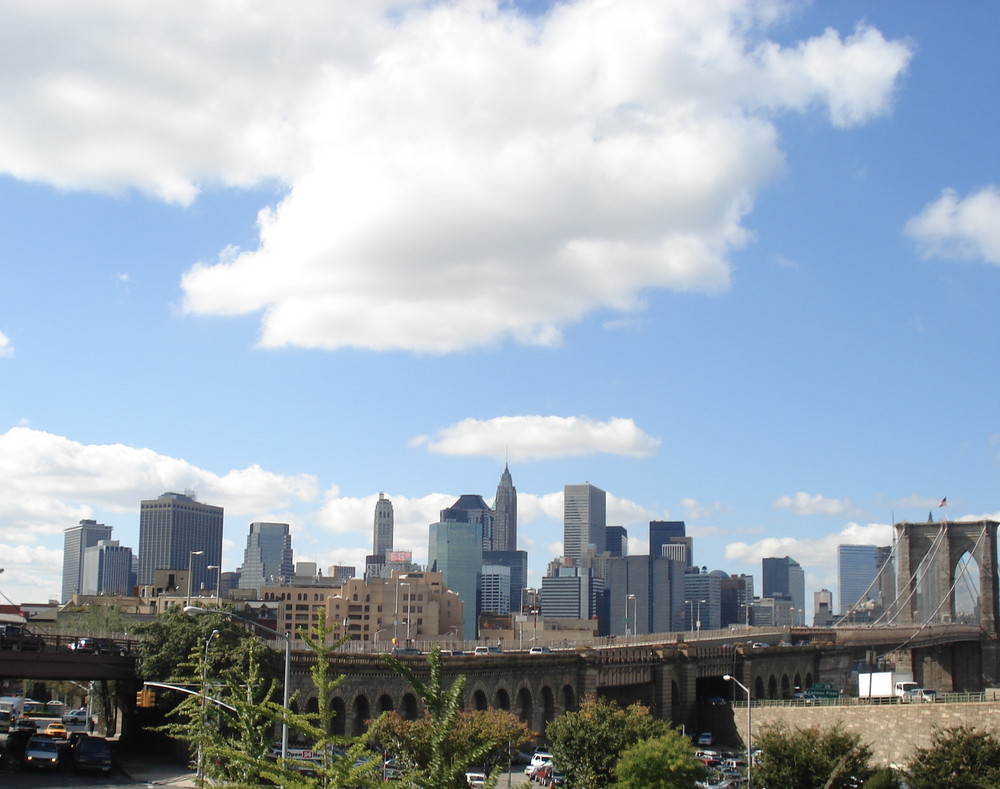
(421, 159)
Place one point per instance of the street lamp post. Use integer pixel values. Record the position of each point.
(697, 635)
(729, 678)
(204, 709)
(193, 609)
(635, 614)
(218, 583)
(190, 564)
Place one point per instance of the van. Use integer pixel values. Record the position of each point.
(487, 651)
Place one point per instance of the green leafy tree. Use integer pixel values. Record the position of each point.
(958, 758)
(439, 749)
(666, 762)
(883, 778)
(811, 758)
(586, 744)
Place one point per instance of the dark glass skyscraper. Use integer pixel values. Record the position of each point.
(171, 529)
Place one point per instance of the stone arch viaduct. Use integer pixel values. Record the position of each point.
(674, 680)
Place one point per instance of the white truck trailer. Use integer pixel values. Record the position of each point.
(886, 685)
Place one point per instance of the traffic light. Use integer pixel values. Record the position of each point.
(145, 698)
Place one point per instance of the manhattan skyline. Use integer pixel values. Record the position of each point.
(734, 264)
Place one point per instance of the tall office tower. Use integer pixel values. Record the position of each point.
(663, 533)
(107, 569)
(573, 593)
(517, 563)
(494, 589)
(856, 572)
(616, 542)
(267, 559)
(584, 519)
(455, 550)
(702, 599)
(505, 515)
(172, 529)
(471, 508)
(784, 577)
(382, 540)
(737, 600)
(76, 539)
(645, 594)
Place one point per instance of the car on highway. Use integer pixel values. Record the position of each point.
(705, 738)
(18, 637)
(539, 651)
(96, 646)
(92, 754)
(475, 780)
(56, 730)
(41, 753)
(76, 717)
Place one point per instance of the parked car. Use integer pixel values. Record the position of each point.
(41, 753)
(475, 780)
(483, 650)
(539, 651)
(96, 646)
(705, 738)
(92, 754)
(75, 717)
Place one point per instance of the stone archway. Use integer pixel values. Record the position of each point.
(479, 701)
(569, 698)
(338, 725)
(502, 699)
(524, 705)
(362, 714)
(548, 707)
(928, 555)
(409, 707)
(384, 704)
(772, 687)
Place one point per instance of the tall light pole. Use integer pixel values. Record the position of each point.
(193, 609)
(406, 610)
(729, 678)
(697, 635)
(190, 564)
(204, 709)
(635, 615)
(218, 580)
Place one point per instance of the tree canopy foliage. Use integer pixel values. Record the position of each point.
(665, 762)
(587, 743)
(811, 758)
(958, 758)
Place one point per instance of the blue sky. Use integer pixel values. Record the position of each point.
(735, 264)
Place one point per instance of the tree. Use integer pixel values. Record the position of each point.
(959, 758)
(811, 758)
(439, 748)
(666, 762)
(586, 744)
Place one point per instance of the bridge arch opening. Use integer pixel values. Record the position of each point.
(967, 582)
(362, 714)
(501, 700)
(548, 706)
(338, 725)
(569, 698)
(384, 704)
(409, 707)
(785, 687)
(772, 687)
(479, 701)
(524, 706)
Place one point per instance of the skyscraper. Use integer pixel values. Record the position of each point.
(584, 519)
(382, 539)
(76, 540)
(504, 537)
(267, 559)
(662, 533)
(455, 550)
(172, 528)
(856, 571)
(783, 577)
(107, 569)
(616, 540)
(645, 595)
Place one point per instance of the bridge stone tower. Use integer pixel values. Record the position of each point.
(941, 546)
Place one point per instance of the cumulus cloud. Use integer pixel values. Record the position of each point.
(810, 552)
(48, 482)
(806, 504)
(960, 228)
(540, 437)
(451, 175)
(6, 349)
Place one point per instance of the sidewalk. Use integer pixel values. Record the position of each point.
(156, 772)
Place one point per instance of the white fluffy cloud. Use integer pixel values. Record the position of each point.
(48, 482)
(960, 228)
(808, 504)
(455, 174)
(6, 349)
(540, 437)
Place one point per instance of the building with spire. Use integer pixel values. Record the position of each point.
(382, 536)
(504, 537)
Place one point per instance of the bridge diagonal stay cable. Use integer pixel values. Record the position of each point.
(918, 573)
(944, 598)
(878, 575)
